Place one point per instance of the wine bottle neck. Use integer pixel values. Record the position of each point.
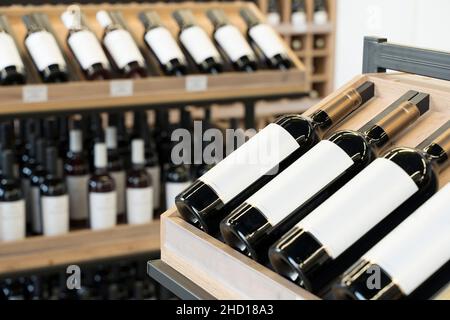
(250, 18)
(184, 18)
(150, 20)
(217, 18)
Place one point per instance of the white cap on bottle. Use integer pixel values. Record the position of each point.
(100, 155)
(103, 18)
(320, 17)
(70, 19)
(137, 151)
(111, 137)
(76, 140)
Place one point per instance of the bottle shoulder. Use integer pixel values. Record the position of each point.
(53, 186)
(101, 182)
(355, 144)
(301, 128)
(10, 189)
(138, 178)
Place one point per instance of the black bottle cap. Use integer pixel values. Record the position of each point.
(41, 144)
(422, 101)
(51, 132)
(6, 135)
(8, 163)
(51, 160)
(366, 91)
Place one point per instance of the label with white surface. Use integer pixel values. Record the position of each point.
(196, 83)
(77, 187)
(155, 174)
(161, 41)
(267, 40)
(34, 93)
(121, 88)
(139, 205)
(12, 220)
(9, 55)
(55, 214)
(102, 210)
(119, 179)
(419, 246)
(257, 157)
(172, 190)
(301, 181)
(198, 44)
(355, 209)
(87, 49)
(122, 48)
(232, 42)
(44, 50)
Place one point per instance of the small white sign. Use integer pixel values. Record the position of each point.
(121, 88)
(196, 83)
(34, 93)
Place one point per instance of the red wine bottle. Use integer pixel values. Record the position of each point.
(36, 178)
(272, 211)
(338, 232)
(214, 195)
(12, 70)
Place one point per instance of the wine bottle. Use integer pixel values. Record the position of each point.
(163, 45)
(76, 168)
(95, 133)
(273, 13)
(102, 192)
(12, 69)
(7, 138)
(197, 43)
(117, 120)
(139, 187)
(232, 42)
(54, 198)
(338, 232)
(36, 178)
(273, 210)
(213, 196)
(116, 170)
(120, 46)
(402, 270)
(12, 203)
(51, 135)
(85, 47)
(44, 50)
(267, 41)
(320, 12)
(298, 13)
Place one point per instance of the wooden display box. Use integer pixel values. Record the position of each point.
(227, 274)
(79, 95)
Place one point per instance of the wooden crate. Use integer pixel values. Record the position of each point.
(227, 274)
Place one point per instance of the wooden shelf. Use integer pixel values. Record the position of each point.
(78, 247)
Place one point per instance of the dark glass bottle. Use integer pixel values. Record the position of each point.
(213, 196)
(230, 39)
(86, 48)
(163, 45)
(44, 50)
(337, 233)
(12, 70)
(51, 135)
(272, 211)
(117, 120)
(121, 46)
(197, 43)
(36, 178)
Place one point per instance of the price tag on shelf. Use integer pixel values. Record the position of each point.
(196, 83)
(121, 88)
(34, 93)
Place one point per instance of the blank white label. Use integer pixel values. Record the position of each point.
(87, 49)
(298, 20)
(139, 205)
(155, 174)
(121, 88)
(257, 157)
(196, 83)
(102, 210)
(12, 220)
(77, 187)
(119, 179)
(122, 48)
(267, 40)
(358, 206)
(163, 45)
(34, 93)
(172, 190)
(55, 214)
(300, 181)
(44, 50)
(36, 221)
(232, 42)
(9, 55)
(198, 44)
(419, 246)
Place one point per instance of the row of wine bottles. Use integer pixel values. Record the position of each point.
(117, 54)
(298, 12)
(313, 207)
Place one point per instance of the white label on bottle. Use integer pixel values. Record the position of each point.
(419, 246)
(300, 181)
(119, 179)
(155, 174)
(12, 220)
(34, 93)
(172, 190)
(233, 42)
(87, 49)
(36, 221)
(257, 157)
(9, 55)
(163, 45)
(273, 18)
(122, 48)
(102, 210)
(77, 187)
(198, 44)
(55, 214)
(267, 40)
(139, 205)
(196, 83)
(44, 50)
(320, 17)
(353, 210)
(121, 88)
(298, 20)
